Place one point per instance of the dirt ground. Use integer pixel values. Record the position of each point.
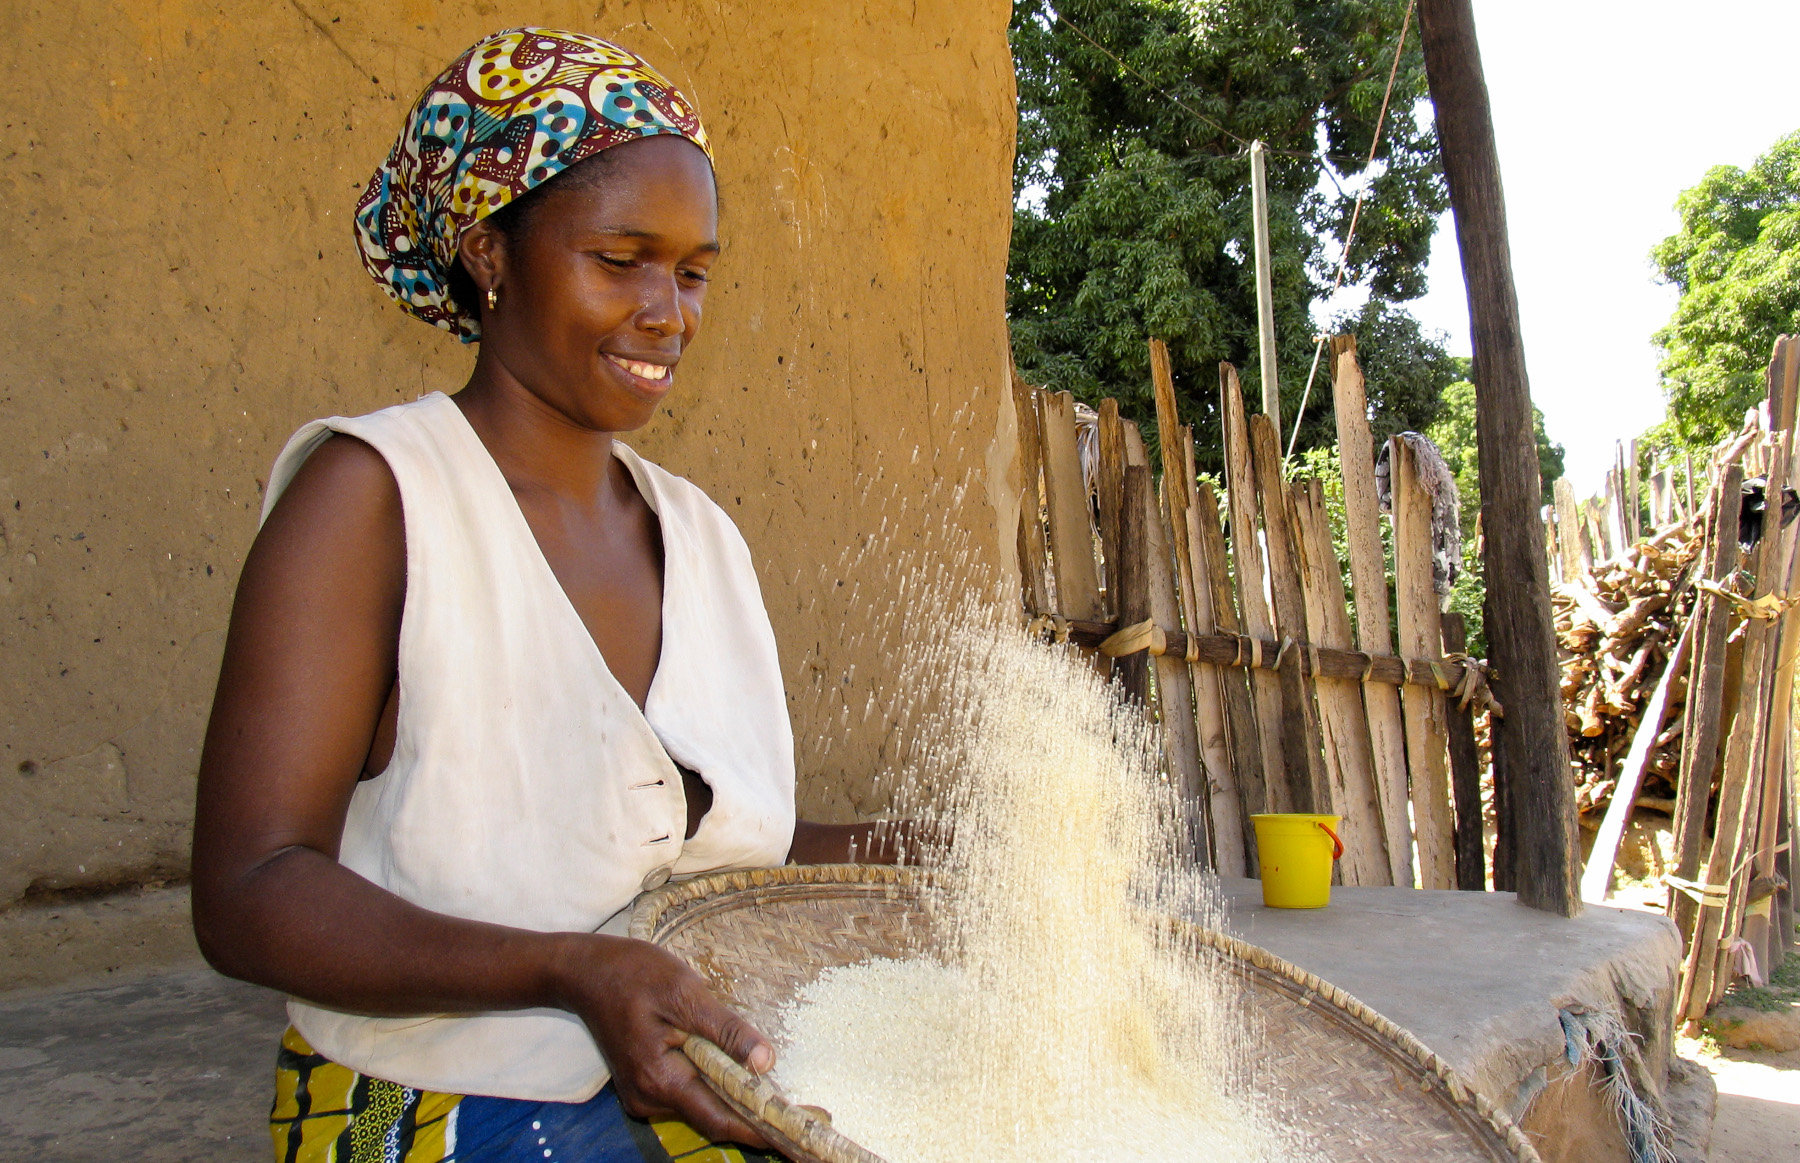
(1758, 1118)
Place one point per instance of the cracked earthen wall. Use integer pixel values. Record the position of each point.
(178, 180)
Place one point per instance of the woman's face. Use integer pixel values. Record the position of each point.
(601, 292)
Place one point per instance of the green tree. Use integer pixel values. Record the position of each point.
(1736, 262)
(1454, 435)
(1133, 214)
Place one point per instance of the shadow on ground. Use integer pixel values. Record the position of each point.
(168, 1066)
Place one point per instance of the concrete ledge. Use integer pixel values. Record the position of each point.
(1480, 979)
(50, 944)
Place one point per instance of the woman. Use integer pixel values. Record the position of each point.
(489, 673)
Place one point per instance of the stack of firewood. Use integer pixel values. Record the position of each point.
(1617, 627)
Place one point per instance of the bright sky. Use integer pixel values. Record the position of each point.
(1605, 110)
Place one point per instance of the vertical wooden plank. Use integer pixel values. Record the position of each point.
(1301, 753)
(1253, 605)
(1568, 521)
(1784, 640)
(1265, 295)
(1225, 805)
(1031, 498)
(1343, 723)
(1176, 494)
(1705, 709)
(1634, 508)
(1662, 509)
(1688, 459)
(1071, 532)
(1368, 576)
(1174, 685)
(1234, 689)
(1599, 524)
(1531, 743)
(1427, 721)
(1743, 782)
(1109, 493)
(1465, 775)
(1133, 601)
(1787, 865)
(1618, 532)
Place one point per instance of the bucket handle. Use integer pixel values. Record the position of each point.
(1337, 846)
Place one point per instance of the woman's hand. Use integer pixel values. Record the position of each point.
(641, 1003)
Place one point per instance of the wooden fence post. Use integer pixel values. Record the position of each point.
(1308, 788)
(1032, 562)
(1421, 636)
(1465, 775)
(1531, 749)
(1702, 721)
(1071, 532)
(1174, 686)
(1368, 576)
(1778, 573)
(1343, 723)
(1575, 560)
(1253, 605)
(1240, 716)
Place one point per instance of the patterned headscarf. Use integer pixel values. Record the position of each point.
(513, 112)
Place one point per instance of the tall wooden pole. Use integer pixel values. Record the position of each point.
(1265, 294)
(1531, 751)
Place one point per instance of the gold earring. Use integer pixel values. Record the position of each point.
(493, 298)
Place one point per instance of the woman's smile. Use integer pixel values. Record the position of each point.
(657, 375)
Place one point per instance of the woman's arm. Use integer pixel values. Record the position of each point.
(310, 662)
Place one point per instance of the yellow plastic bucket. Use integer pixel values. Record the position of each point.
(1295, 851)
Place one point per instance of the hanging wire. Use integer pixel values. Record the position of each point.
(1355, 214)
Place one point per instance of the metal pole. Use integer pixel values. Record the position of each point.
(1265, 296)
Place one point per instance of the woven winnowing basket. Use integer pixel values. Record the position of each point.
(1365, 1088)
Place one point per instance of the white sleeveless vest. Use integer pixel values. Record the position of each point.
(526, 787)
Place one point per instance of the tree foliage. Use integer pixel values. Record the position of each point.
(1736, 262)
(1134, 211)
(1454, 435)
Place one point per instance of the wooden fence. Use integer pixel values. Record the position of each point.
(1723, 576)
(1278, 688)
(1281, 688)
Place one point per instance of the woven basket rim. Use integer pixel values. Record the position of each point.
(759, 1098)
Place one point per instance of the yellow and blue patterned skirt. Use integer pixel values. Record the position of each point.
(327, 1113)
